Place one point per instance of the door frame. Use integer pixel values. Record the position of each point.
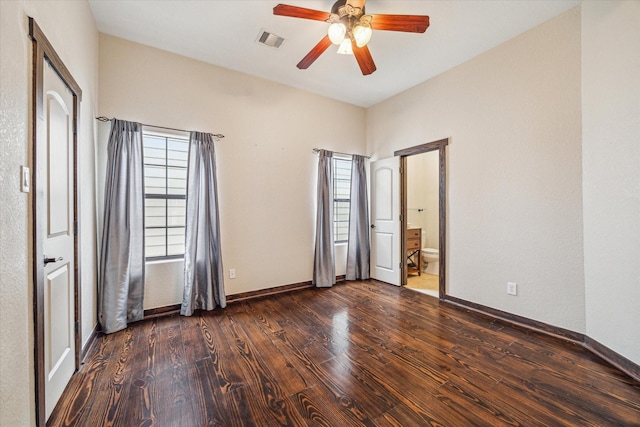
(441, 146)
(43, 53)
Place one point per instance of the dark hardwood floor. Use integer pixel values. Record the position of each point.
(361, 353)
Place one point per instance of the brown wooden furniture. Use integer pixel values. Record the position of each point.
(413, 238)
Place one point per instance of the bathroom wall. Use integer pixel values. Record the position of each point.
(423, 193)
(266, 169)
(70, 28)
(514, 168)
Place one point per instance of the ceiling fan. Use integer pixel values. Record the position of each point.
(351, 29)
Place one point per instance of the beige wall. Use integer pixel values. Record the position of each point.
(70, 28)
(514, 169)
(266, 169)
(611, 170)
(521, 117)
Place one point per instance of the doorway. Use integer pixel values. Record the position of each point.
(422, 223)
(56, 254)
(427, 192)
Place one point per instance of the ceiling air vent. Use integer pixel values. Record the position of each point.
(268, 39)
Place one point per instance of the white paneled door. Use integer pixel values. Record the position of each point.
(58, 239)
(385, 220)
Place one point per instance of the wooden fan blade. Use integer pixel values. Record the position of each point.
(314, 53)
(365, 61)
(406, 23)
(300, 12)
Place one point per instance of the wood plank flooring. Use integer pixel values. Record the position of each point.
(357, 354)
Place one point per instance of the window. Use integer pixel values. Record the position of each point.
(341, 197)
(165, 189)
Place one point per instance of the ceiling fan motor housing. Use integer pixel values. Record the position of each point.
(335, 9)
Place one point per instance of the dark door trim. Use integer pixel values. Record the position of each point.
(441, 146)
(43, 53)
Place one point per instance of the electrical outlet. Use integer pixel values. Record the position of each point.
(232, 273)
(512, 288)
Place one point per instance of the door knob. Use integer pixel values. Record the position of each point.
(48, 260)
(373, 226)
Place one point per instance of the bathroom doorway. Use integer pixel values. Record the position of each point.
(422, 223)
(423, 204)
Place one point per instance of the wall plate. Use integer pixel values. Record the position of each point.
(25, 179)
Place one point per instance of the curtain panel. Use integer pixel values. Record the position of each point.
(122, 265)
(358, 249)
(324, 271)
(203, 272)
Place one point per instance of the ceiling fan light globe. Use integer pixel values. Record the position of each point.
(362, 34)
(337, 32)
(345, 47)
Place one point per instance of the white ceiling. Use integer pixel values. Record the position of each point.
(224, 33)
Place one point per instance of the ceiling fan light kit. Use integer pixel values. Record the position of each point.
(348, 22)
(351, 29)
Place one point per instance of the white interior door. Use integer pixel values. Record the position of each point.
(385, 220)
(58, 239)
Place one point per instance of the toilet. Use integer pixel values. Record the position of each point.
(431, 258)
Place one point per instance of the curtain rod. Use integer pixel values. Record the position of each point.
(107, 119)
(317, 150)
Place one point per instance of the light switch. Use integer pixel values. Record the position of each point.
(25, 179)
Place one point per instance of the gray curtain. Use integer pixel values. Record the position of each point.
(203, 273)
(121, 270)
(358, 242)
(324, 270)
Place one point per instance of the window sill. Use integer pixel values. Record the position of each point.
(163, 261)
